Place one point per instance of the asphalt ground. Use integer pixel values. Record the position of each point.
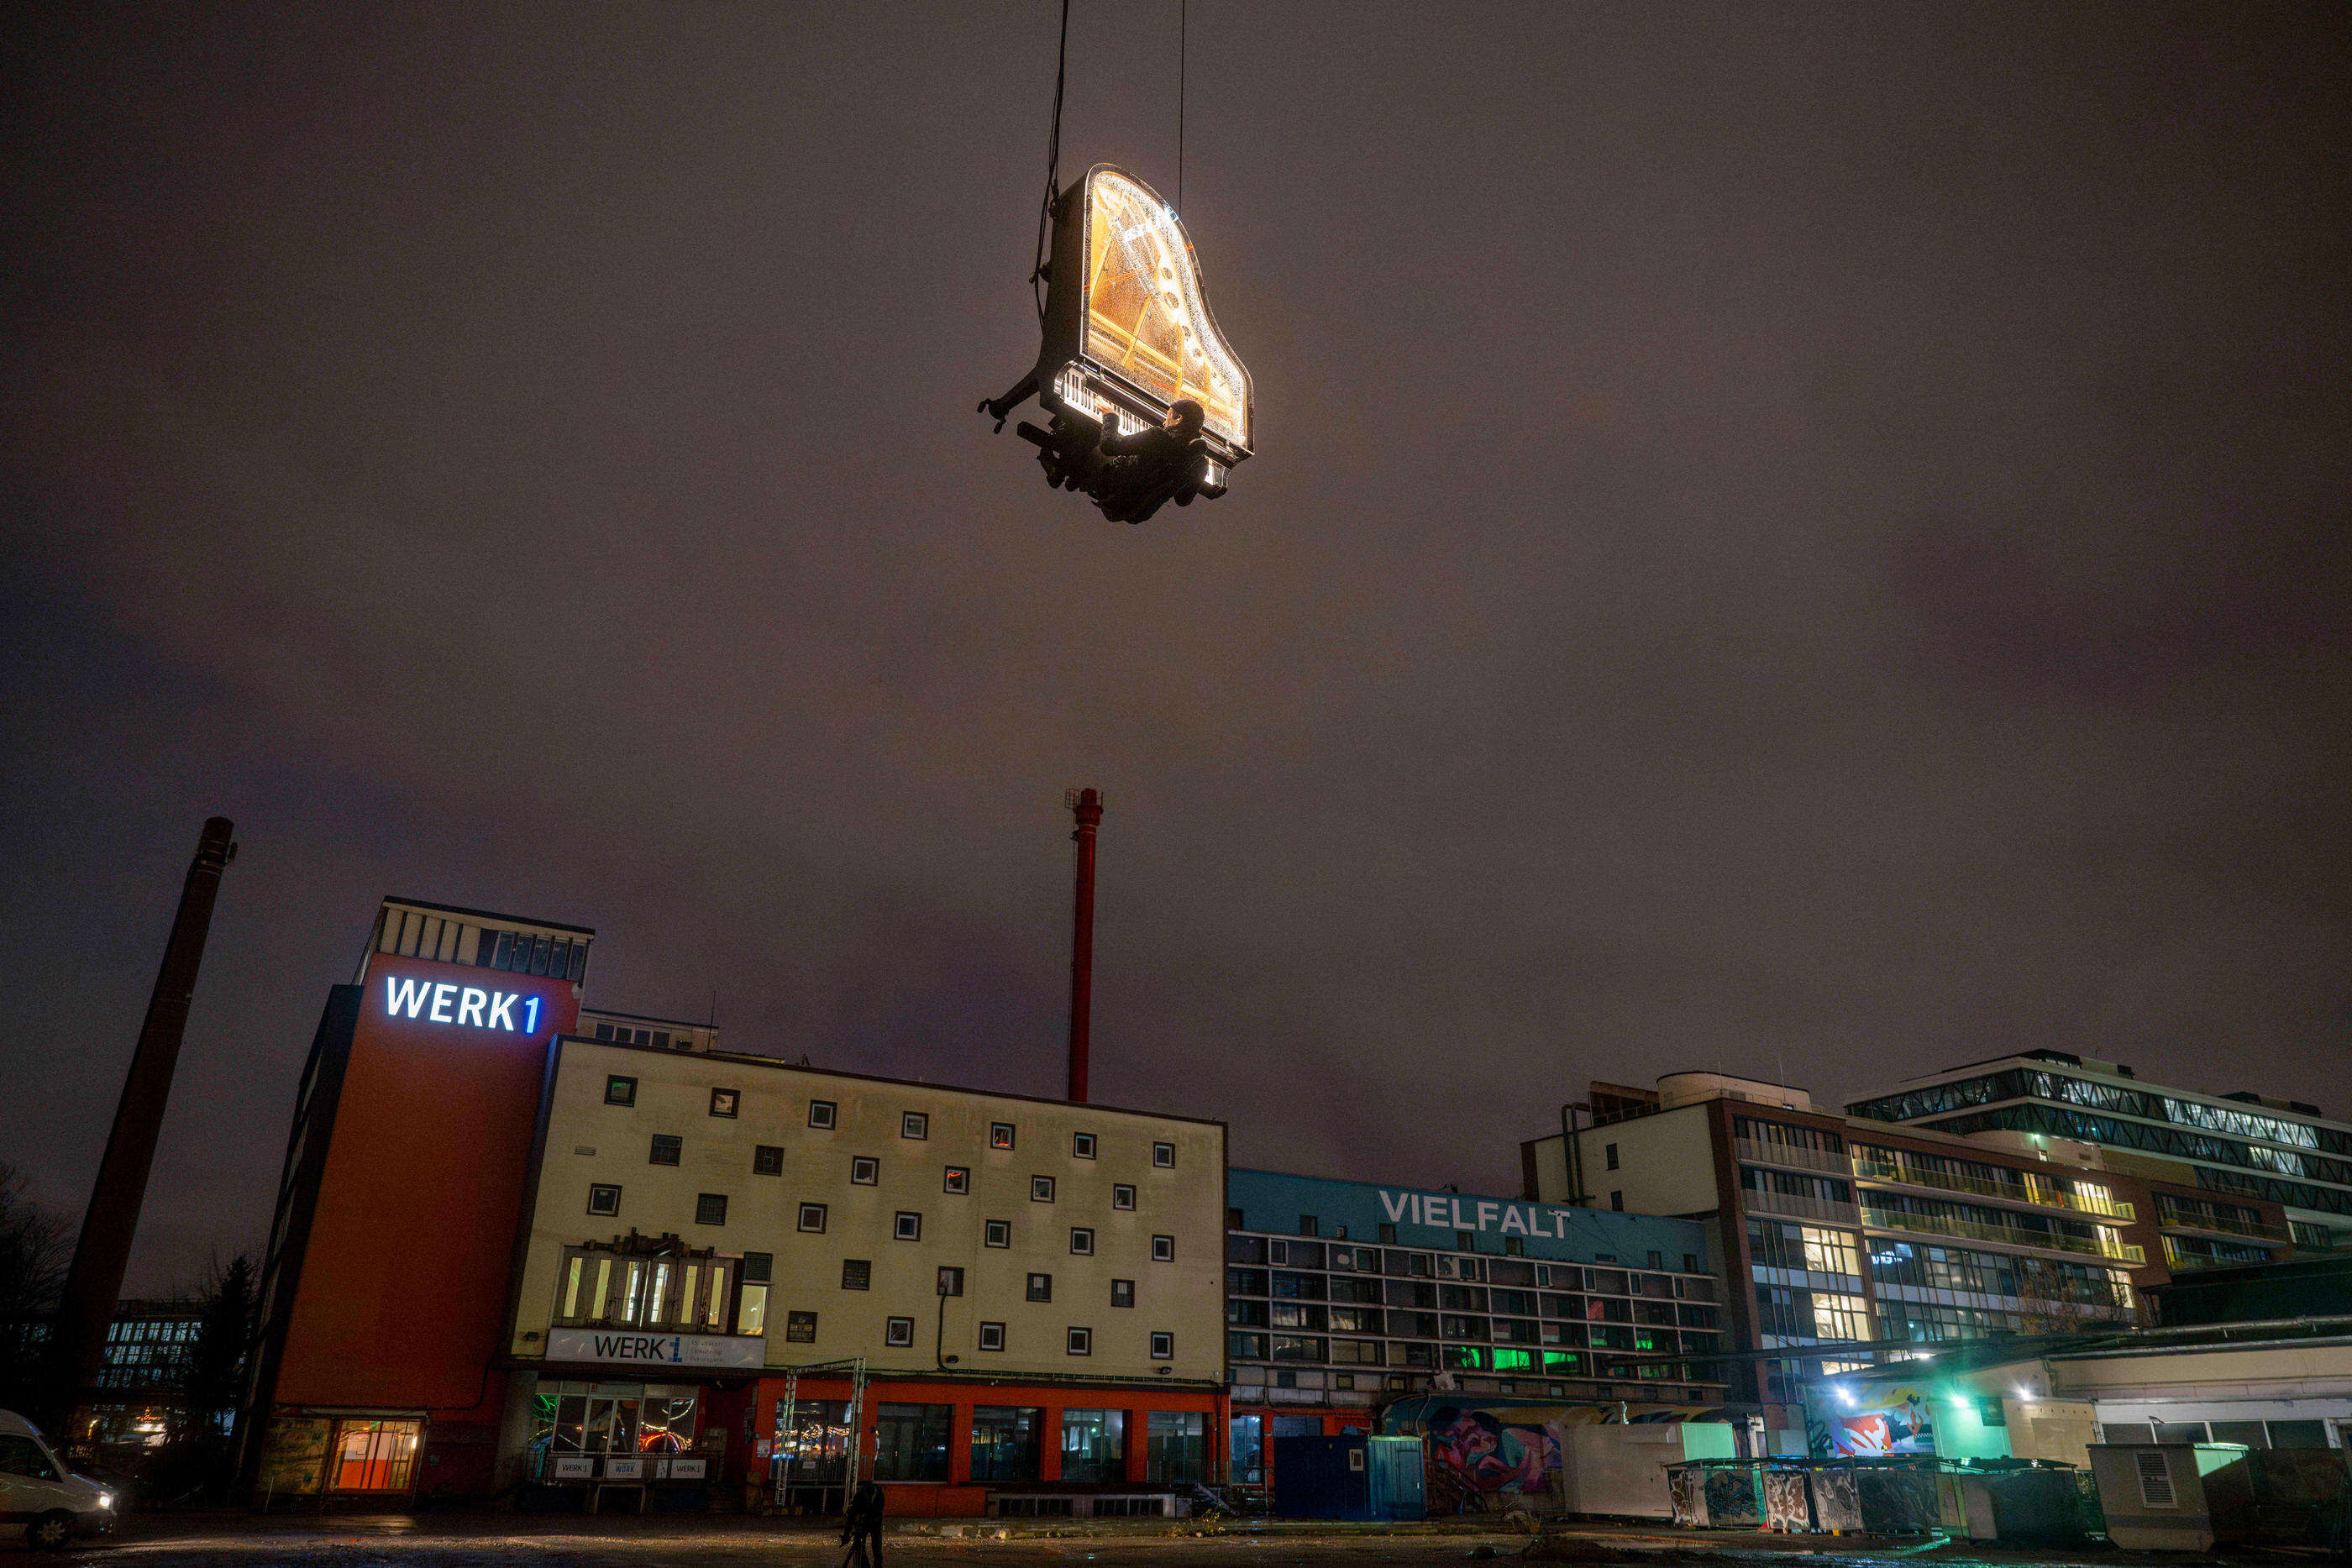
(433, 1541)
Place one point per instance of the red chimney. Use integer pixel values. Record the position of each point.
(1087, 806)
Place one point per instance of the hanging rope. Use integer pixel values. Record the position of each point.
(1053, 166)
(1184, 20)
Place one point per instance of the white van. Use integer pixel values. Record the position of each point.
(39, 1493)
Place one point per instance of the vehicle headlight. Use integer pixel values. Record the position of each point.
(106, 1499)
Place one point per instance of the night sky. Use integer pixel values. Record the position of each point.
(1805, 539)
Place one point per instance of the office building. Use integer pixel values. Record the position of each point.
(2226, 1160)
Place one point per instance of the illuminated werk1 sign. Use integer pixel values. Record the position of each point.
(656, 1349)
(434, 1002)
(1445, 1211)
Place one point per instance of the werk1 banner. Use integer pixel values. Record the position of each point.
(656, 1350)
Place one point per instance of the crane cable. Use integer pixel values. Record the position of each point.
(1183, 21)
(1053, 166)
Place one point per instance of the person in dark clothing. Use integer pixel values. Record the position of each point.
(861, 1523)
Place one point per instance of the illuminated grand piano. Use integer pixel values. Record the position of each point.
(1149, 402)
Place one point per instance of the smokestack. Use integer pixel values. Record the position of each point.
(94, 1284)
(1086, 807)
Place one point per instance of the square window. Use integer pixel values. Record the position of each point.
(898, 1331)
(620, 1090)
(915, 1125)
(908, 1228)
(665, 1149)
(1122, 1293)
(959, 1179)
(603, 1198)
(992, 1336)
(1082, 1145)
(1122, 1196)
(1000, 1134)
(711, 1208)
(1081, 1341)
(724, 1102)
(865, 1170)
(767, 1159)
(800, 1328)
(1041, 1189)
(1163, 1249)
(857, 1273)
(822, 1113)
(812, 1218)
(1163, 1345)
(1081, 1242)
(1041, 1287)
(1163, 1156)
(999, 1233)
(951, 1280)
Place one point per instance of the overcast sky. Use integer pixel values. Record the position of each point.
(1798, 539)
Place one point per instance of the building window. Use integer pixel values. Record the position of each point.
(767, 1159)
(1609, 1156)
(1041, 1189)
(1082, 1145)
(800, 1328)
(822, 1113)
(1234, 1220)
(1081, 1242)
(1463, 1241)
(667, 1148)
(1163, 1345)
(1163, 1249)
(898, 1331)
(1081, 1342)
(1122, 1293)
(865, 1170)
(723, 1102)
(752, 1310)
(1041, 1287)
(1690, 1263)
(1388, 1233)
(915, 1125)
(908, 1226)
(1617, 1201)
(998, 1233)
(910, 1441)
(1517, 1247)
(620, 1090)
(959, 1179)
(812, 1218)
(992, 1336)
(1163, 1155)
(711, 1208)
(857, 1273)
(1122, 1196)
(603, 1198)
(1000, 1134)
(376, 1456)
(1309, 1224)
(1657, 1259)
(951, 1280)
(1093, 1447)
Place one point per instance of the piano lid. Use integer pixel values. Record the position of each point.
(1147, 316)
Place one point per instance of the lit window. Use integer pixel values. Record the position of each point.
(1163, 1249)
(857, 1274)
(915, 1125)
(603, 1198)
(711, 1208)
(1041, 1189)
(723, 1102)
(1041, 1287)
(620, 1090)
(1163, 1155)
(908, 1225)
(1081, 1341)
(865, 1170)
(959, 1179)
(1000, 1134)
(1081, 1242)
(822, 1113)
(1082, 1145)
(898, 1331)
(999, 1233)
(812, 1216)
(1163, 1345)
(1122, 1196)
(992, 1336)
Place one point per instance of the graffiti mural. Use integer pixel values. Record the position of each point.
(1487, 1451)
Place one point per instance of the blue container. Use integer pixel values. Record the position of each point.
(1351, 1477)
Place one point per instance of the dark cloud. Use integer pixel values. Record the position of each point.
(1806, 541)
